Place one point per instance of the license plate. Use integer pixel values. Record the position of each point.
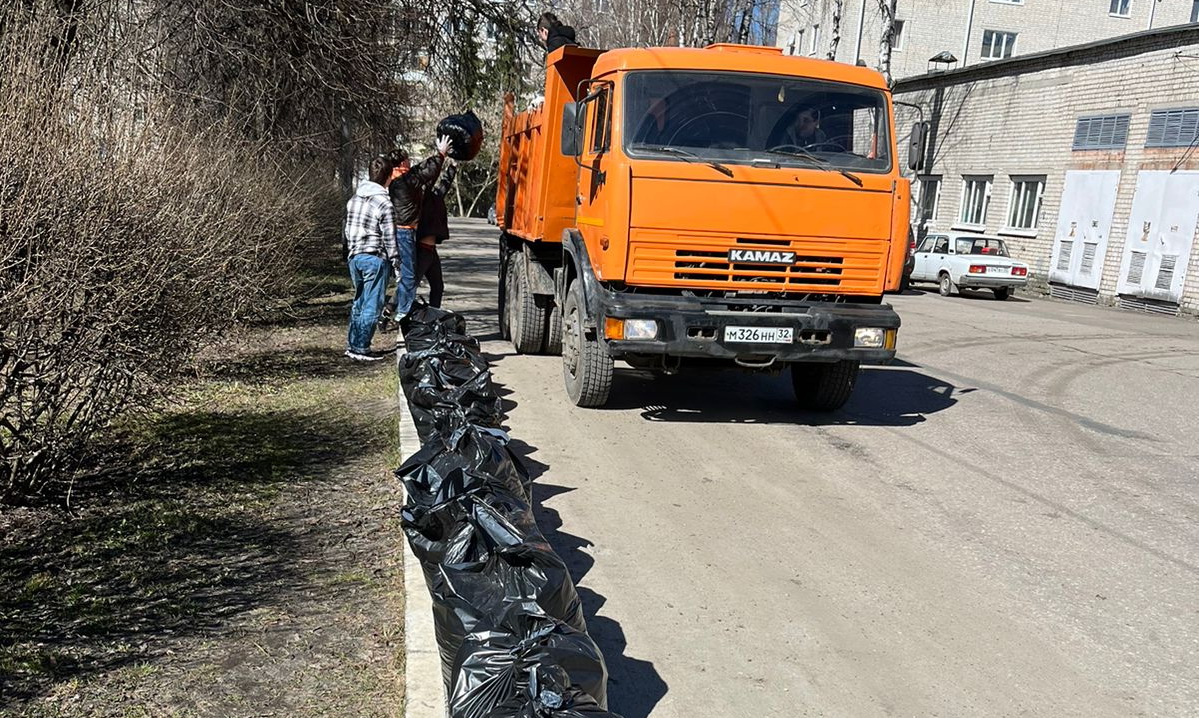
(998, 270)
(759, 335)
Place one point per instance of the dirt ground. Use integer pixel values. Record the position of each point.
(236, 554)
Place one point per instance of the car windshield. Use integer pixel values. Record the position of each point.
(743, 117)
(981, 245)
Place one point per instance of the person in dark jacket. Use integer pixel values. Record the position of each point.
(407, 190)
(434, 228)
(553, 33)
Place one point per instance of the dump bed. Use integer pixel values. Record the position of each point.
(535, 193)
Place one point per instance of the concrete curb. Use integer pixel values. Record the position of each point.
(424, 696)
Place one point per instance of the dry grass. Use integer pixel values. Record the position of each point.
(240, 556)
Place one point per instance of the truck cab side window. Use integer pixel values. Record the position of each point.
(601, 132)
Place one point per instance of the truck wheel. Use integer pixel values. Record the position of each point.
(505, 293)
(553, 329)
(1002, 293)
(823, 387)
(586, 366)
(526, 321)
(945, 285)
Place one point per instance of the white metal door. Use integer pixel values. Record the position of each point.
(1161, 230)
(1083, 225)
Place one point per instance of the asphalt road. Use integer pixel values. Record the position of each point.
(1003, 523)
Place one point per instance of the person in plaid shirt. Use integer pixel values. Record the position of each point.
(371, 253)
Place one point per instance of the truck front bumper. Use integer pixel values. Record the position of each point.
(695, 327)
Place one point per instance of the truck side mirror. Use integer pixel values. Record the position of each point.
(572, 133)
(917, 146)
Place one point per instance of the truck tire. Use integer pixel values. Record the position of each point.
(824, 387)
(553, 330)
(1002, 293)
(586, 366)
(526, 321)
(505, 278)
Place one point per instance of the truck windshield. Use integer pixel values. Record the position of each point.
(741, 117)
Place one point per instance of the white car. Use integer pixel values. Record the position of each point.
(968, 261)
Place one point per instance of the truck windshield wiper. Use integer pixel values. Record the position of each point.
(821, 163)
(688, 156)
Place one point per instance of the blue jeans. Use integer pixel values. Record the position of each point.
(406, 291)
(369, 274)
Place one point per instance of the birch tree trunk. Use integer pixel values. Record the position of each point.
(835, 40)
(887, 41)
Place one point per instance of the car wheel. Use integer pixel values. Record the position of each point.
(1002, 293)
(945, 285)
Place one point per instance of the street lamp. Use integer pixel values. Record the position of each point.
(941, 61)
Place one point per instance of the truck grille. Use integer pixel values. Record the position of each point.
(850, 266)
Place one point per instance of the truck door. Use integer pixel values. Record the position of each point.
(591, 211)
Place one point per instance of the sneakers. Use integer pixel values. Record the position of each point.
(367, 356)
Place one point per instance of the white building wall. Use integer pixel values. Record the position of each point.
(933, 26)
(1022, 122)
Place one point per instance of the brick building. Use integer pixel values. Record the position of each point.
(1084, 158)
(973, 31)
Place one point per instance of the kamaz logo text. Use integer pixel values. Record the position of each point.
(761, 256)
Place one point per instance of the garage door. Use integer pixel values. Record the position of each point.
(1085, 219)
(1161, 230)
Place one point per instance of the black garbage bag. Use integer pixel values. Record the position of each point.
(479, 449)
(479, 517)
(496, 663)
(549, 694)
(425, 326)
(448, 389)
(487, 564)
(465, 132)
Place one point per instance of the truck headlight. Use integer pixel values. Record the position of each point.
(634, 329)
(869, 337)
(640, 329)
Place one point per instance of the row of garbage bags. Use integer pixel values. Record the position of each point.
(509, 622)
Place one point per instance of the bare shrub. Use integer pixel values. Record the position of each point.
(128, 237)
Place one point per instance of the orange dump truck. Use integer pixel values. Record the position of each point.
(675, 206)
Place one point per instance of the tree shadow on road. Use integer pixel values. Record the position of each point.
(635, 686)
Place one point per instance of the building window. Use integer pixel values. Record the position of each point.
(1101, 132)
(930, 198)
(814, 40)
(1025, 208)
(976, 198)
(1120, 8)
(1173, 128)
(796, 45)
(897, 35)
(1194, 10)
(997, 44)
